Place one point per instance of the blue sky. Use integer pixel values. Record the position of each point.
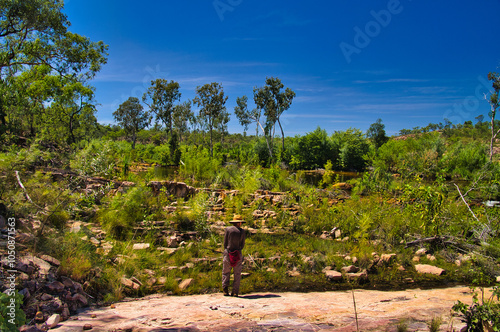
(408, 62)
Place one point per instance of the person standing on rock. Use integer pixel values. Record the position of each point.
(234, 241)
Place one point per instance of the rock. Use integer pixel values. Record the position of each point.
(169, 251)
(273, 270)
(185, 284)
(130, 284)
(338, 233)
(67, 282)
(416, 259)
(25, 268)
(134, 279)
(75, 227)
(25, 292)
(87, 327)
(363, 275)
(162, 280)
(65, 312)
(80, 298)
(350, 269)
(140, 246)
(498, 278)
(385, 259)
(53, 321)
(294, 274)
(43, 266)
(172, 242)
(55, 287)
(46, 297)
(333, 275)
(424, 268)
(95, 241)
(432, 258)
(421, 251)
(50, 260)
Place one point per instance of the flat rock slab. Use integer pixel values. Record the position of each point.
(315, 311)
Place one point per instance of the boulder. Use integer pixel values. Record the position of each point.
(53, 321)
(55, 287)
(185, 284)
(363, 275)
(80, 298)
(350, 269)
(50, 260)
(386, 259)
(333, 275)
(430, 269)
(421, 251)
(172, 242)
(130, 284)
(141, 246)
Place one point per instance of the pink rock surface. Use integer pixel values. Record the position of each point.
(315, 311)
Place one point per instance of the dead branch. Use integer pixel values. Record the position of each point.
(26, 193)
(434, 239)
(463, 199)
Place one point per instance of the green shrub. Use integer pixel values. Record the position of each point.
(96, 159)
(12, 316)
(483, 314)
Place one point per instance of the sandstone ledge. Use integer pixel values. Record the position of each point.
(325, 311)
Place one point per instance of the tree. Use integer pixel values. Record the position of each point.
(274, 102)
(245, 116)
(181, 117)
(132, 118)
(34, 37)
(211, 100)
(376, 133)
(160, 98)
(494, 104)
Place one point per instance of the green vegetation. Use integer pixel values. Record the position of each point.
(59, 168)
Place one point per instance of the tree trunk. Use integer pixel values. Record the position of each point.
(282, 138)
(492, 132)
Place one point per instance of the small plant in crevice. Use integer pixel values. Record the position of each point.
(483, 313)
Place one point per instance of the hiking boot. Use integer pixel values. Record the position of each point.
(226, 292)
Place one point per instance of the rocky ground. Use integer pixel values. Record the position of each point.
(324, 311)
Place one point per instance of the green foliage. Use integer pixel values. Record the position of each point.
(376, 133)
(424, 205)
(96, 159)
(198, 165)
(124, 211)
(419, 156)
(132, 118)
(464, 159)
(312, 150)
(483, 313)
(352, 147)
(43, 63)
(12, 317)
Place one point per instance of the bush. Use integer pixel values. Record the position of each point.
(11, 315)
